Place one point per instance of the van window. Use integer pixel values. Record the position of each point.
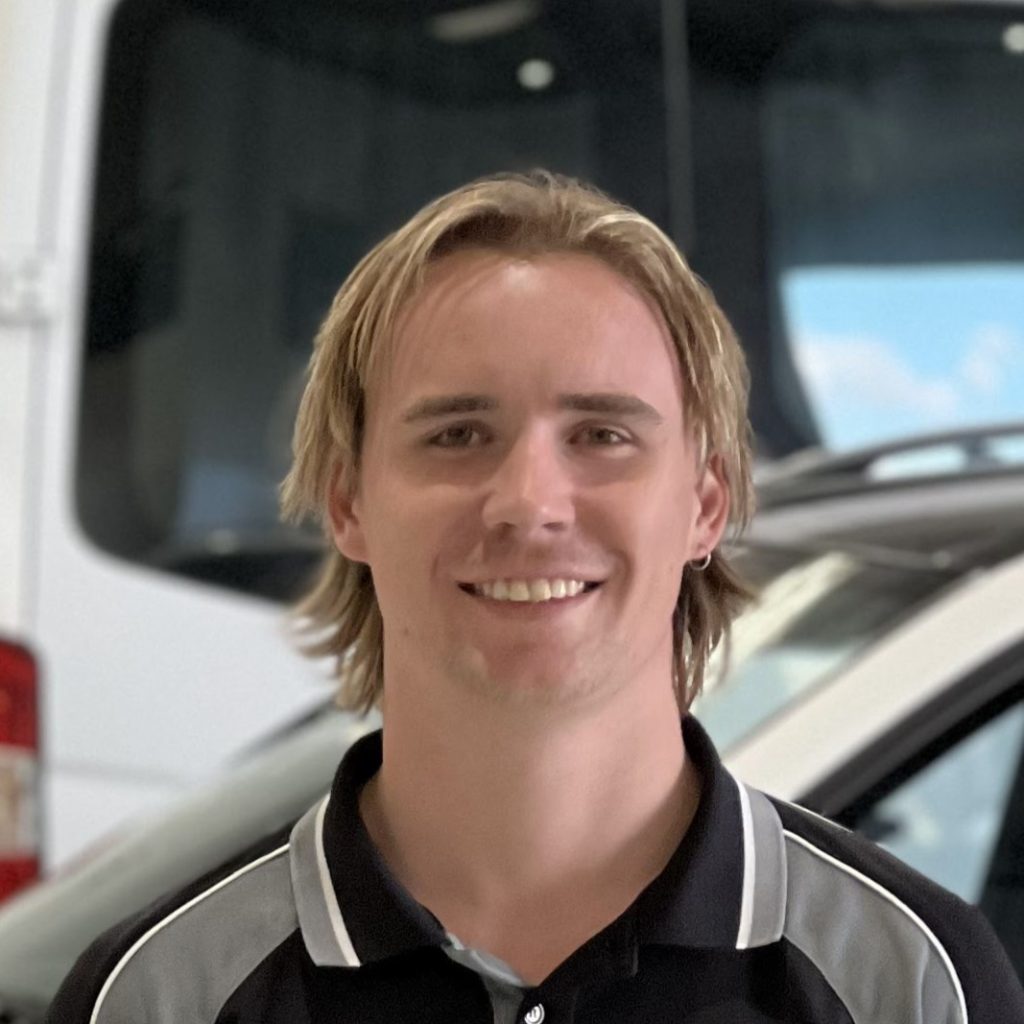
(248, 158)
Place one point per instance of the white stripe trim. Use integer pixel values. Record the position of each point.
(160, 925)
(900, 905)
(341, 936)
(744, 933)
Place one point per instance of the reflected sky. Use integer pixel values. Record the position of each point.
(893, 351)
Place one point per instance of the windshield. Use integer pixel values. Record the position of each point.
(848, 178)
(815, 613)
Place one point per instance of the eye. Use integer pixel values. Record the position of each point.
(604, 437)
(462, 435)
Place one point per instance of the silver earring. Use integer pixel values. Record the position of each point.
(702, 564)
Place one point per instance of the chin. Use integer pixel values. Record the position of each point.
(522, 682)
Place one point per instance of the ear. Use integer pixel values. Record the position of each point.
(712, 507)
(344, 514)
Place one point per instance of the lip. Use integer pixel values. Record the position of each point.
(551, 574)
(589, 585)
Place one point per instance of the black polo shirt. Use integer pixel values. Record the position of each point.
(765, 913)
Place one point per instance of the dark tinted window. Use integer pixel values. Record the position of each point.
(250, 153)
(252, 150)
(959, 819)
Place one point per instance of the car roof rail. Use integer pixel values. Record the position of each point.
(944, 454)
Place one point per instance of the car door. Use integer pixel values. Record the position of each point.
(950, 802)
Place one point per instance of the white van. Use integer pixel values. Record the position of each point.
(183, 185)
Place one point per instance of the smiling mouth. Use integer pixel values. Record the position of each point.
(535, 591)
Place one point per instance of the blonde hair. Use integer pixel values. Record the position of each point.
(529, 215)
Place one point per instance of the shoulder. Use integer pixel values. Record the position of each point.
(891, 943)
(182, 957)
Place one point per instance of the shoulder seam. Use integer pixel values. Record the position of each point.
(174, 915)
(814, 815)
(892, 898)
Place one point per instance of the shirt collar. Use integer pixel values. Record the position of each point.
(724, 887)
(352, 910)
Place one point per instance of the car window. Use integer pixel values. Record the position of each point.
(814, 614)
(945, 821)
(960, 820)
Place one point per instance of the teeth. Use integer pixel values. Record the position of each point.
(533, 591)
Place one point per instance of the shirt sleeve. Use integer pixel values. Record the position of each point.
(79, 993)
(992, 988)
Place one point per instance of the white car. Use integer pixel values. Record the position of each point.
(879, 680)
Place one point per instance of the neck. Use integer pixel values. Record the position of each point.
(513, 822)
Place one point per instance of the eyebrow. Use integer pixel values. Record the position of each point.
(611, 402)
(607, 402)
(446, 405)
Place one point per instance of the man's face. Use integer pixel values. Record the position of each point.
(528, 441)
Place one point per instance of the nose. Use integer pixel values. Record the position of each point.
(531, 489)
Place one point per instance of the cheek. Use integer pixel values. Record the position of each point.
(670, 562)
(665, 541)
(413, 533)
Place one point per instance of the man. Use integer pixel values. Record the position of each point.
(525, 431)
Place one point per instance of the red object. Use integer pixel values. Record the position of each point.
(19, 742)
(17, 873)
(18, 717)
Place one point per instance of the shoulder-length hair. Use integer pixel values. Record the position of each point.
(527, 215)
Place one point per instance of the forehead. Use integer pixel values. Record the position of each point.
(484, 318)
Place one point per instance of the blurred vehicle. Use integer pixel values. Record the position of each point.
(879, 680)
(183, 185)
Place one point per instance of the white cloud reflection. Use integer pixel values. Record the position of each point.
(865, 387)
(840, 369)
(992, 354)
